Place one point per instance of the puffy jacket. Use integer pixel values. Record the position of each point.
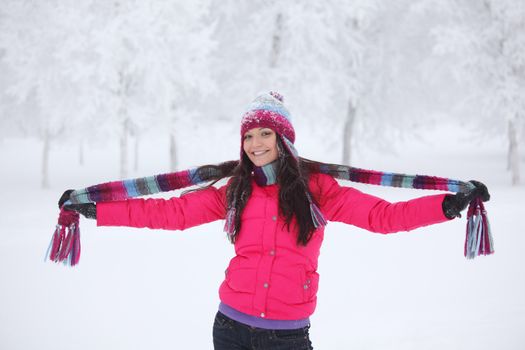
(270, 275)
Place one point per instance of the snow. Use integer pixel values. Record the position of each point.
(422, 79)
(139, 288)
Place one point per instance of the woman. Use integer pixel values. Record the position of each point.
(276, 205)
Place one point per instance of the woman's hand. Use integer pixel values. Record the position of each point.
(64, 198)
(453, 204)
(88, 210)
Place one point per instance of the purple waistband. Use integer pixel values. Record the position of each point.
(259, 322)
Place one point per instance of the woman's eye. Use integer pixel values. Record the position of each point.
(246, 137)
(266, 133)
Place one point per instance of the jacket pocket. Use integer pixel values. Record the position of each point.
(310, 286)
(286, 285)
(241, 280)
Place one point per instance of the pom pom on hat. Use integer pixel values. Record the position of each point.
(277, 96)
(268, 111)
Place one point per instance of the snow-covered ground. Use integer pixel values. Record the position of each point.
(143, 289)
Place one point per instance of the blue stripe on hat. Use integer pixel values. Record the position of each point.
(267, 102)
(277, 109)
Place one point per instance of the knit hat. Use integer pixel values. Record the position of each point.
(268, 111)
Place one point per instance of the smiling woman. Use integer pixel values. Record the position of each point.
(275, 205)
(260, 144)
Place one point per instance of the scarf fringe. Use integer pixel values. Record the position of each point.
(317, 216)
(478, 240)
(229, 224)
(65, 242)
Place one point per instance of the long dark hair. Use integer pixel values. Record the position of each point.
(292, 178)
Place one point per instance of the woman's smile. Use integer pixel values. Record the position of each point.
(260, 145)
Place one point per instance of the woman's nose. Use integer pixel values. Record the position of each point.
(257, 141)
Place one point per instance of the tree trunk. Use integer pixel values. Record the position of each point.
(124, 149)
(45, 159)
(513, 153)
(276, 41)
(81, 152)
(137, 147)
(348, 132)
(173, 152)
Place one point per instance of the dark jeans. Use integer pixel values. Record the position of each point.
(229, 334)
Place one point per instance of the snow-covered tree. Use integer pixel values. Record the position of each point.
(284, 46)
(487, 40)
(107, 68)
(151, 64)
(32, 36)
(6, 102)
(357, 37)
(139, 63)
(336, 62)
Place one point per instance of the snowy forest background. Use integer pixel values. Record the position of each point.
(93, 91)
(86, 73)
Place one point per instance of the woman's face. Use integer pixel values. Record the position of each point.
(260, 145)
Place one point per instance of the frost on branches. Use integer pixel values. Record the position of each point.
(487, 39)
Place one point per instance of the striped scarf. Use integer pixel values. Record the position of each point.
(65, 243)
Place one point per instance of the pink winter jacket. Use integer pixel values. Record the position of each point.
(270, 275)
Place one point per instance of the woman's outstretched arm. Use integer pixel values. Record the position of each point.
(177, 213)
(351, 206)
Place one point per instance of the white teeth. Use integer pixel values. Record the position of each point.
(258, 153)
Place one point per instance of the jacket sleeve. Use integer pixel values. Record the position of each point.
(351, 206)
(177, 213)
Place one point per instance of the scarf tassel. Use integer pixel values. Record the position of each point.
(229, 224)
(65, 242)
(317, 217)
(478, 240)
